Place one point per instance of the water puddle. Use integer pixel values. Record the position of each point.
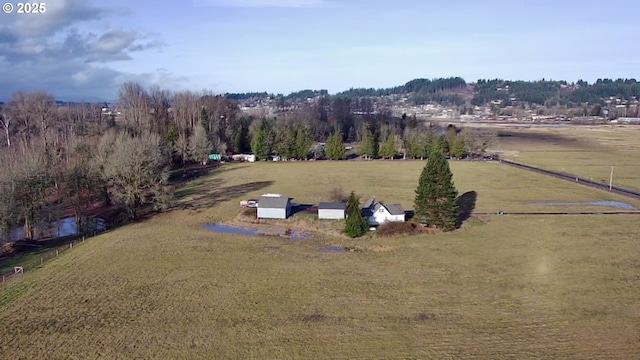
(614, 204)
(226, 229)
(299, 235)
(333, 249)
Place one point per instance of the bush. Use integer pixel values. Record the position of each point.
(396, 229)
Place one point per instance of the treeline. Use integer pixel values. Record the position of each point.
(508, 93)
(420, 88)
(416, 142)
(551, 93)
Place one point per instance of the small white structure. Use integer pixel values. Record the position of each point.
(274, 206)
(332, 211)
(377, 213)
(244, 157)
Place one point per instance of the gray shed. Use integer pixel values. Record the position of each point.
(272, 207)
(332, 211)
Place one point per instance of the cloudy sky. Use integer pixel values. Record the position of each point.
(85, 49)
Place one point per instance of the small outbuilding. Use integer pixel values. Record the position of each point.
(274, 206)
(332, 211)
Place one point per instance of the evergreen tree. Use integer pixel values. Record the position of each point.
(240, 141)
(261, 142)
(457, 147)
(376, 144)
(285, 146)
(388, 148)
(334, 149)
(366, 145)
(435, 201)
(416, 147)
(302, 143)
(204, 119)
(439, 144)
(356, 225)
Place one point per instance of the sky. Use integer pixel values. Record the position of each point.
(84, 50)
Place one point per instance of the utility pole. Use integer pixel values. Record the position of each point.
(611, 179)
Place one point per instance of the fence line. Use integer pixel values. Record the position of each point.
(42, 258)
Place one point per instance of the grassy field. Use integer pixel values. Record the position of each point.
(589, 152)
(542, 287)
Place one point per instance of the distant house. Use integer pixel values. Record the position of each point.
(332, 211)
(274, 206)
(377, 213)
(244, 157)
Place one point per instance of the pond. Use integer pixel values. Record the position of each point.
(227, 229)
(614, 204)
(61, 228)
(224, 229)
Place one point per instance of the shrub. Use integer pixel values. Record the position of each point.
(396, 229)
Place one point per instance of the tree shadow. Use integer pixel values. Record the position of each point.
(466, 203)
(302, 208)
(195, 171)
(207, 195)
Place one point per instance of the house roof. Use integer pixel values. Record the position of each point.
(395, 209)
(368, 203)
(273, 202)
(332, 206)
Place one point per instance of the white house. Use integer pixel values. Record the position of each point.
(332, 211)
(377, 213)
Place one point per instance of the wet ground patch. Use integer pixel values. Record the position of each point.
(248, 231)
(333, 249)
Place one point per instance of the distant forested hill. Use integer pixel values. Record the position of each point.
(456, 91)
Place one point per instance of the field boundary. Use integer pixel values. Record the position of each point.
(575, 179)
(21, 268)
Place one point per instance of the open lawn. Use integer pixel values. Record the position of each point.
(588, 152)
(543, 287)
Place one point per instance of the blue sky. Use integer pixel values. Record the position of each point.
(86, 49)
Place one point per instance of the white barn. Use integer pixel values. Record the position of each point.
(377, 213)
(332, 211)
(274, 206)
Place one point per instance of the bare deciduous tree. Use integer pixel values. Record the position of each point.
(137, 171)
(5, 122)
(81, 179)
(199, 145)
(136, 105)
(27, 165)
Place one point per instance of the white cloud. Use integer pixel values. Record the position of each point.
(51, 54)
